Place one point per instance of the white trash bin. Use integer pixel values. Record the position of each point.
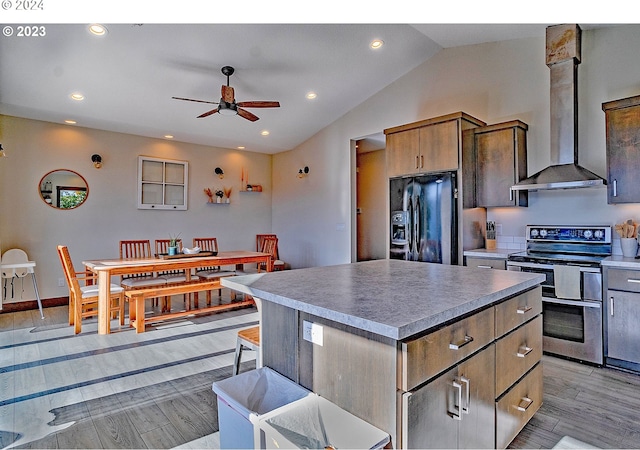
(243, 398)
(315, 422)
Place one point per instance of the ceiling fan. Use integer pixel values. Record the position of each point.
(227, 105)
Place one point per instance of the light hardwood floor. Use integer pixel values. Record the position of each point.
(153, 390)
(124, 390)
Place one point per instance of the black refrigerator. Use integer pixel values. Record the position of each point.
(423, 218)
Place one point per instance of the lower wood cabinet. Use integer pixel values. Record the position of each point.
(486, 263)
(517, 406)
(456, 410)
(470, 383)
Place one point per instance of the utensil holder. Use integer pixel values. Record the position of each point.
(629, 247)
(491, 244)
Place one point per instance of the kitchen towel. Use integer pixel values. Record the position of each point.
(567, 281)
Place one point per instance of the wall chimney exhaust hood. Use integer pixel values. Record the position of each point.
(563, 52)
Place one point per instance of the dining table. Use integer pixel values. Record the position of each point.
(107, 268)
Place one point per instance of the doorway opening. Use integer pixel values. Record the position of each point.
(371, 198)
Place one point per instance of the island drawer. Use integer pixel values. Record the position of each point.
(512, 313)
(487, 263)
(426, 356)
(517, 406)
(623, 280)
(518, 352)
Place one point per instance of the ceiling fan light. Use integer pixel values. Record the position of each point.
(227, 111)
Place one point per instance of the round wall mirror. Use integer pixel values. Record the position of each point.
(63, 189)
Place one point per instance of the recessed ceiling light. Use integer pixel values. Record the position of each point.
(265, 132)
(77, 96)
(70, 122)
(376, 44)
(311, 95)
(97, 29)
(168, 136)
(240, 147)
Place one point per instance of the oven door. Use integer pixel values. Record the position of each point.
(571, 328)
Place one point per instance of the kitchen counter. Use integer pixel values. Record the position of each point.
(373, 336)
(622, 262)
(391, 298)
(498, 253)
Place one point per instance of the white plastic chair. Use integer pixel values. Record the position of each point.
(15, 264)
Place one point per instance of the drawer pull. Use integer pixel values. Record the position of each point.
(459, 345)
(524, 309)
(484, 267)
(611, 306)
(524, 351)
(524, 404)
(458, 415)
(465, 380)
(633, 280)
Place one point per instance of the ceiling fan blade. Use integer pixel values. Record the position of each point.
(192, 100)
(259, 104)
(247, 115)
(227, 94)
(208, 113)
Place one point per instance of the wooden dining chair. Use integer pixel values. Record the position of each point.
(248, 338)
(134, 249)
(270, 245)
(210, 273)
(171, 276)
(83, 299)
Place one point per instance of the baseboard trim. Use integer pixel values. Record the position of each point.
(33, 304)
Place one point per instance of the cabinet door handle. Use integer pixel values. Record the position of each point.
(633, 280)
(422, 161)
(460, 344)
(611, 306)
(458, 415)
(510, 194)
(467, 383)
(524, 351)
(615, 188)
(524, 404)
(525, 309)
(417, 162)
(484, 267)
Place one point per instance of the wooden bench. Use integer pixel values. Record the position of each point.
(137, 297)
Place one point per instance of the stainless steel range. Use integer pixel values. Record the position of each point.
(569, 257)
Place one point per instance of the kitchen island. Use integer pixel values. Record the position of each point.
(367, 336)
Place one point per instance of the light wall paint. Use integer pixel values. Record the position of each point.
(110, 213)
(494, 82)
(314, 217)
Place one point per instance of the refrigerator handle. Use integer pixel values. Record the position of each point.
(416, 229)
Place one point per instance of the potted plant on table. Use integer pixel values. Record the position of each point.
(219, 195)
(173, 244)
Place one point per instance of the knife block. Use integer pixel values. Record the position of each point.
(490, 244)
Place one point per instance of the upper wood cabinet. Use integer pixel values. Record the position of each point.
(622, 119)
(432, 145)
(501, 161)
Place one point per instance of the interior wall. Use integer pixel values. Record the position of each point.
(494, 82)
(372, 191)
(110, 213)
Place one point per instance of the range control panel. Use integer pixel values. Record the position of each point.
(592, 234)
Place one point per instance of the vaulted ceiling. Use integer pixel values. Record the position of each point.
(129, 75)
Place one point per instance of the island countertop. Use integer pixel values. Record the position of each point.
(391, 298)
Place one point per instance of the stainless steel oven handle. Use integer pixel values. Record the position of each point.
(550, 266)
(561, 301)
